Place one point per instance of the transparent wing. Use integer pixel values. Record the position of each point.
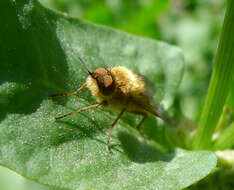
(150, 105)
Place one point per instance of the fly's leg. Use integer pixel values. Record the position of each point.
(112, 126)
(70, 93)
(138, 127)
(80, 110)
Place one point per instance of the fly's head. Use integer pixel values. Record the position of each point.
(105, 81)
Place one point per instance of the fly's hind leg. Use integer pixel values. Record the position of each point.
(138, 127)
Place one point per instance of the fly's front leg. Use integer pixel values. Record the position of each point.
(70, 93)
(80, 110)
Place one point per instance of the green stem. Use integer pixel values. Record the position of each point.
(220, 82)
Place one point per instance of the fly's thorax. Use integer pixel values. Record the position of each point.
(129, 82)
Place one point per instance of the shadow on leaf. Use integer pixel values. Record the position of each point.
(32, 59)
(141, 152)
(73, 131)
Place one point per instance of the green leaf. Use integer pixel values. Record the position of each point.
(38, 54)
(225, 140)
(20, 183)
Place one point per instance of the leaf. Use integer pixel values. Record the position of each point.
(225, 139)
(20, 183)
(38, 54)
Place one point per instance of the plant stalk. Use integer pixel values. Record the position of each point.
(220, 82)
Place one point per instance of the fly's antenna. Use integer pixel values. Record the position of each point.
(105, 65)
(84, 65)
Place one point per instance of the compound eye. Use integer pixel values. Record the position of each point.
(105, 80)
(100, 72)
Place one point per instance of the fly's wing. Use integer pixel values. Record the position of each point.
(155, 108)
(149, 86)
(147, 103)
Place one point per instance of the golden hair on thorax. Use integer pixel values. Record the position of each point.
(120, 89)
